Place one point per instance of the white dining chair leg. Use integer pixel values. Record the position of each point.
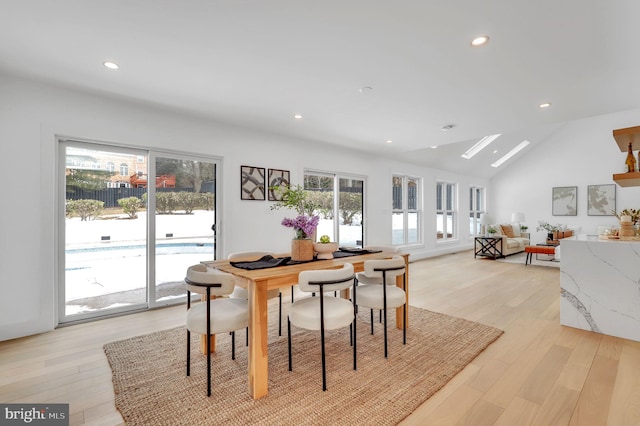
(280, 314)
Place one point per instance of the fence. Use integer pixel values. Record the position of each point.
(110, 196)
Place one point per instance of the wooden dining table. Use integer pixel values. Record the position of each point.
(261, 280)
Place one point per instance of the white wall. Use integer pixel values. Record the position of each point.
(33, 114)
(581, 153)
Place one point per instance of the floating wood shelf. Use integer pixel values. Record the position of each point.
(627, 179)
(624, 136)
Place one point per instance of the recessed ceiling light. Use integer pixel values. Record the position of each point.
(389, 141)
(480, 40)
(495, 151)
(297, 116)
(365, 89)
(511, 153)
(447, 127)
(433, 146)
(544, 105)
(111, 65)
(480, 145)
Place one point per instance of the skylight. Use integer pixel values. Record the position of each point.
(482, 144)
(511, 153)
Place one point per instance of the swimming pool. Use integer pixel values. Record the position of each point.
(165, 248)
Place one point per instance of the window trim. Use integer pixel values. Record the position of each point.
(406, 211)
(337, 176)
(477, 213)
(454, 211)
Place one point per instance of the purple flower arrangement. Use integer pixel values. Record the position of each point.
(303, 225)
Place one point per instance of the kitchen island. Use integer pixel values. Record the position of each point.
(600, 285)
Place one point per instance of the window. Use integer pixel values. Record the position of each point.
(342, 197)
(124, 169)
(111, 167)
(446, 211)
(476, 207)
(406, 210)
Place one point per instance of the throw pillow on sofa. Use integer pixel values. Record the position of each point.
(507, 230)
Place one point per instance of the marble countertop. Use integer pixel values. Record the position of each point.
(600, 285)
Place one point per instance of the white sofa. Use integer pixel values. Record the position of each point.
(512, 244)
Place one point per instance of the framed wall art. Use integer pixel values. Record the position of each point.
(275, 179)
(564, 201)
(252, 183)
(601, 200)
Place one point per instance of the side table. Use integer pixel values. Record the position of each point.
(488, 246)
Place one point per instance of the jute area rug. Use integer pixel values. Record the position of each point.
(151, 386)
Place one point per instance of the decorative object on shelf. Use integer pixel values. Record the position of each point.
(630, 162)
(564, 201)
(624, 137)
(601, 200)
(277, 178)
(304, 225)
(252, 183)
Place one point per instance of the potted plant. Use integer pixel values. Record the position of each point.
(305, 224)
(542, 225)
(325, 248)
(523, 228)
(492, 230)
(633, 214)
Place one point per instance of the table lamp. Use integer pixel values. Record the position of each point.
(484, 221)
(517, 218)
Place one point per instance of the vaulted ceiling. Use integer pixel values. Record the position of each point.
(359, 72)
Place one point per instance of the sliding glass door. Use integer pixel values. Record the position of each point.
(126, 239)
(341, 201)
(184, 221)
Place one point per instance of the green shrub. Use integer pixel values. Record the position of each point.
(166, 202)
(130, 206)
(189, 201)
(350, 206)
(86, 209)
(206, 201)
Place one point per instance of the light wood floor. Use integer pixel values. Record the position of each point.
(537, 373)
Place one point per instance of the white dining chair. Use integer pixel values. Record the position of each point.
(362, 276)
(364, 279)
(210, 317)
(324, 312)
(383, 293)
